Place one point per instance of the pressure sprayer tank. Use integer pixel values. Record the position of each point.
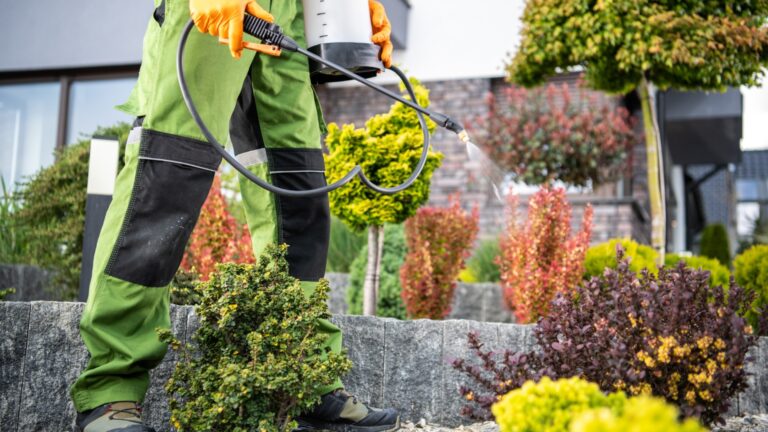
(340, 31)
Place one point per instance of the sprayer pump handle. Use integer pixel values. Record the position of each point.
(269, 33)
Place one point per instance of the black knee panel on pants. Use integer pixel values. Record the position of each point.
(173, 177)
(302, 223)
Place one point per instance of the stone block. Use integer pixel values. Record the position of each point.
(14, 327)
(494, 308)
(55, 356)
(156, 412)
(365, 344)
(468, 302)
(516, 337)
(750, 400)
(413, 368)
(455, 347)
(337, 297)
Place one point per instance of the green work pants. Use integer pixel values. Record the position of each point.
(266, 107)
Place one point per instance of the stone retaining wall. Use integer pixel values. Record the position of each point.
(473, 301)
(404, 364)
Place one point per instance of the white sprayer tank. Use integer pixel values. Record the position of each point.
(340, 31)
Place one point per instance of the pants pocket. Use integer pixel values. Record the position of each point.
(172, 181)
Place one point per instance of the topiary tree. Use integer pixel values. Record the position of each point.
(714, 244)
(544, 136)
(387, 149)
(258, 357)
(626, 45)
(389, 303)
(53, 211)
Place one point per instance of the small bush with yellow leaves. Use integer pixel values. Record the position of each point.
(718, 273)
(259, 357)
(550, 406)
(750, 269)
(640, 413)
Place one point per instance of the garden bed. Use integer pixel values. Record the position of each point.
(42, 354)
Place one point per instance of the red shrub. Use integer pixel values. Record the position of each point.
(539, 260)
(217, 238)
(439, 240)
(544, 135)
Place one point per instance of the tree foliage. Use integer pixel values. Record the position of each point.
(388, 149)
(693, 44)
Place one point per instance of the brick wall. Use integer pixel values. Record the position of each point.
(616, 215)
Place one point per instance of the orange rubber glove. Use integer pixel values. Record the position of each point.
(381, 31)
(224, 18)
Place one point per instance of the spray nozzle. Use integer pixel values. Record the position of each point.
(444, 121)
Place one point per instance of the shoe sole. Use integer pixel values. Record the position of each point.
(311, 426)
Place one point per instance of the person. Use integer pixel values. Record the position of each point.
(267, 108)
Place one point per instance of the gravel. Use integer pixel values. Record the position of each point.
(748, 423)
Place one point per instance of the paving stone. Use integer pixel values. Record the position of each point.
(455, 346)
(14, 325)
(413, 368)
(55, 356)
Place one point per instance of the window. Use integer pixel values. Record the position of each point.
(28, 122)
(92, 104)
(37, 117)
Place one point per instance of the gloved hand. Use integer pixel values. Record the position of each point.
(381, 31)
(224, 18)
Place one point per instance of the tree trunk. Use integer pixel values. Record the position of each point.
(371, 286)
(654, 159)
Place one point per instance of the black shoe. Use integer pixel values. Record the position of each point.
(339, 411)
(112, 417)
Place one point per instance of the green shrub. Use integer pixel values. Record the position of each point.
(481, 265)
(6, 292)
(13, 237)
(750, 269)
(53, 212)
(549, 406)
(640, 414)
(719, 275)
(389, 303)
(603, 256)
(343, 247)
(714, 244)
(259, 357)
(185, 287)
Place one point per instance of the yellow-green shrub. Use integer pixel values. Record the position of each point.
(750, 269)
(602, 256)
(640, 414)
(550, 406)
(719, 275)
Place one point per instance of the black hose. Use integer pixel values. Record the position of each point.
(356, 171)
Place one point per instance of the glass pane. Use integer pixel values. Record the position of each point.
(28, 121)
(92, 104)
(746, 216)
(747, 189)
